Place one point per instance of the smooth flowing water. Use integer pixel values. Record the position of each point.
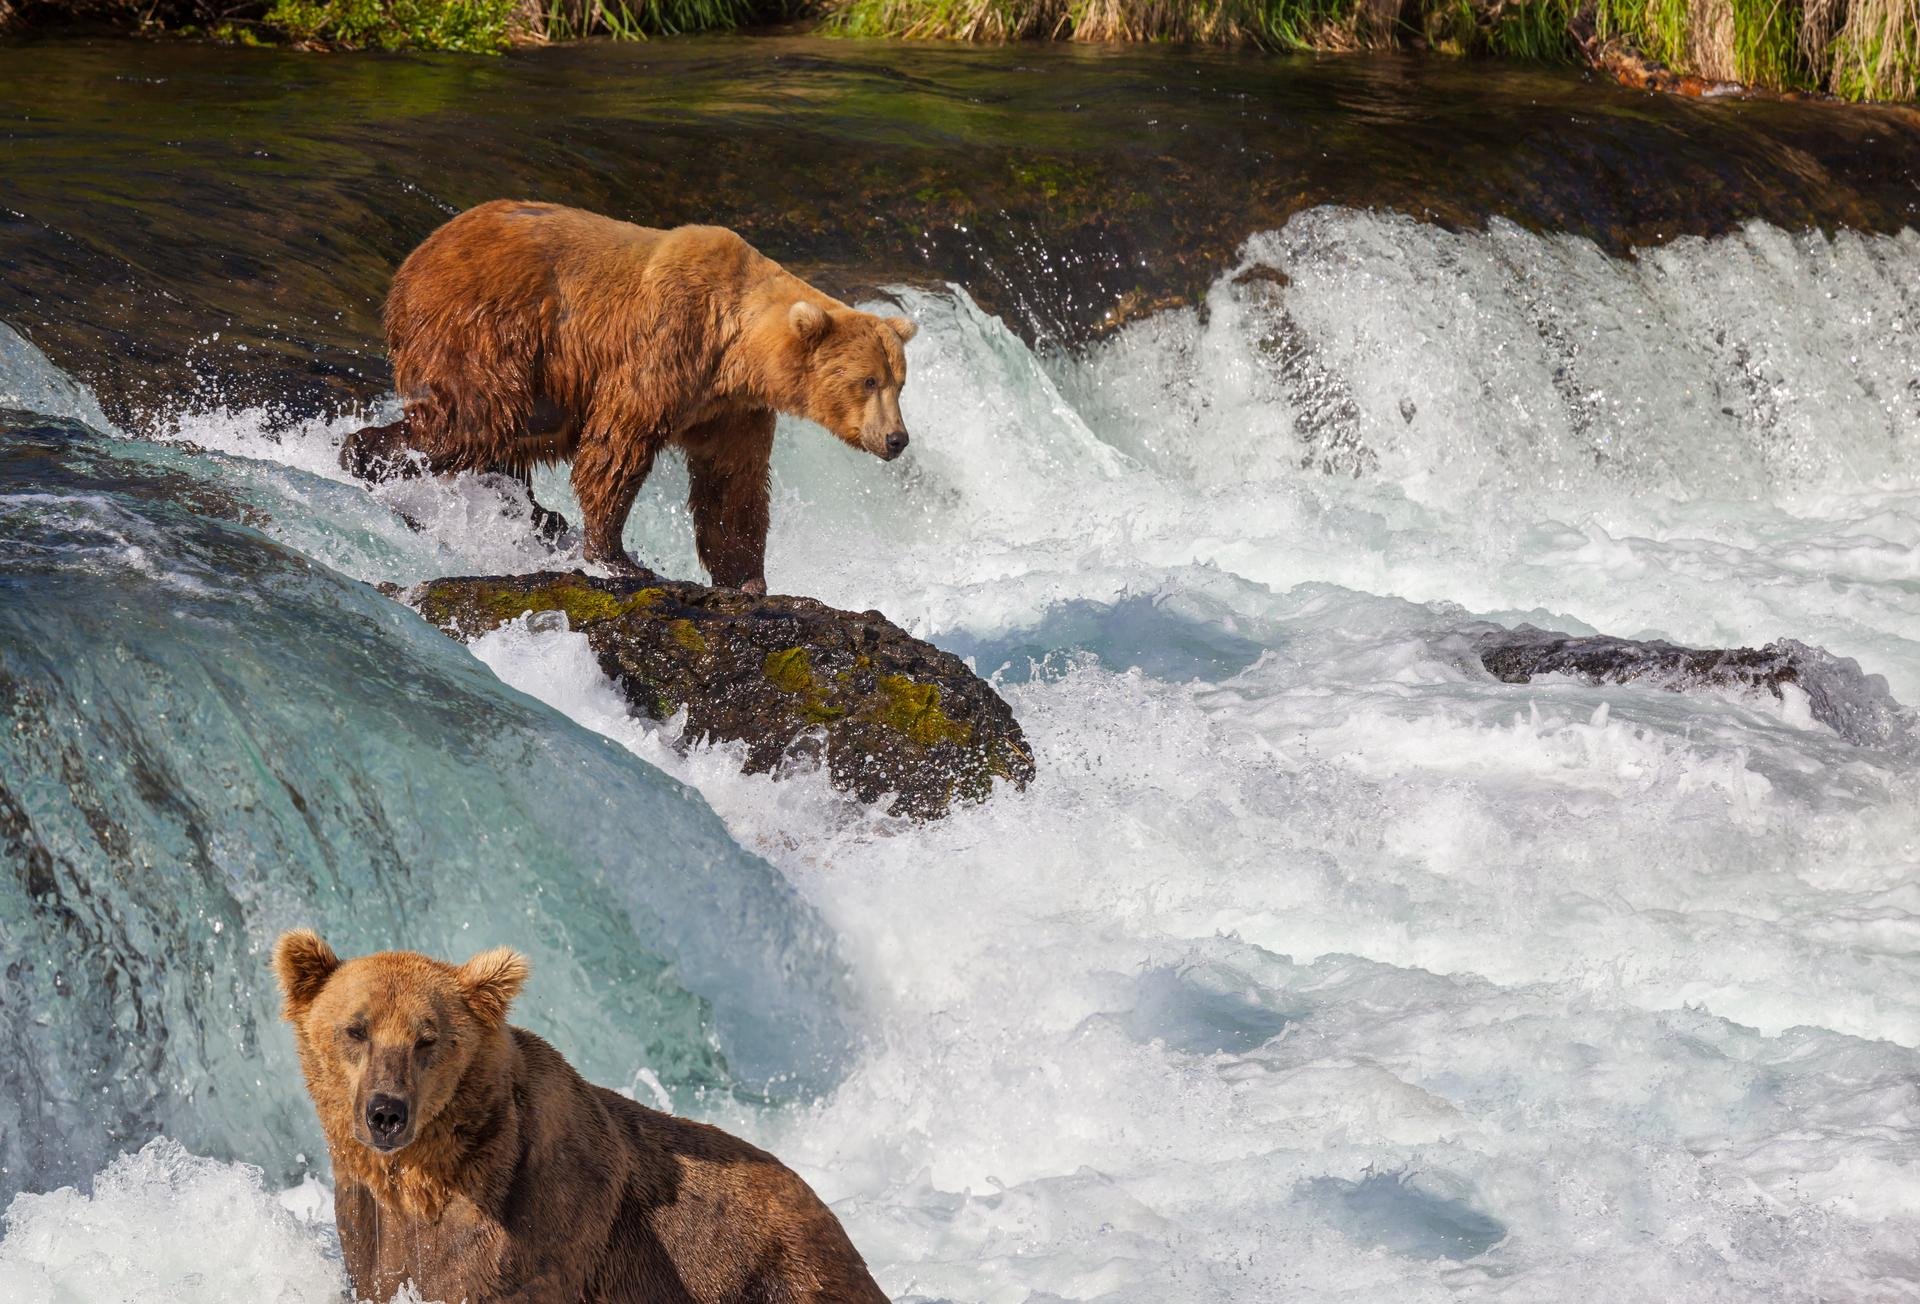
(1315, 965)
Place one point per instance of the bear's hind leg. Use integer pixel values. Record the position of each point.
(606, 479)
(548, 525)
(549, 434)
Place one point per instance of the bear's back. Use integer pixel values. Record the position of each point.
(682, 1176)
(779, 1227)
(574, 241)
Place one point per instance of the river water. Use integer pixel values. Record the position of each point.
(1315, 964)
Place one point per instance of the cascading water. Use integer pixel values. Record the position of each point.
(211, 738)
(1316, 964)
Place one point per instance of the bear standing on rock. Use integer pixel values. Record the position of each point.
(525, 333)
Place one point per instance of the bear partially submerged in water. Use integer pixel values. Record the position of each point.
(470, 1159)
(525, 333)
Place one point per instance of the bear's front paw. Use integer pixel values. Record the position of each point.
(755, 587)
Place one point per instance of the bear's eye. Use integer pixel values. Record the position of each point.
(356, 1032)
(425, 1043)
(870, 384)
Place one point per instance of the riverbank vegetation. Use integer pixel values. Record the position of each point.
(1853, 49)
(465, 26)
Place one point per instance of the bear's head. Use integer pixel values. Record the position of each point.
(386, 1039)
(852, 367)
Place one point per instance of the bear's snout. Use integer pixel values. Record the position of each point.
(387, 1119)
(896, 445)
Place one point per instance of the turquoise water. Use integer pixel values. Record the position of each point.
(212, 738)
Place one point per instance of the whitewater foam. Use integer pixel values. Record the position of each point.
(1316, 964)
(162, 1226)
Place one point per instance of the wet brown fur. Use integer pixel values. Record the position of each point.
(521, 1181)
(526, 333)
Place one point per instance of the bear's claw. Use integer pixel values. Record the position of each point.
(622, 565)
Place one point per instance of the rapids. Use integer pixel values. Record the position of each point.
(1316, 964)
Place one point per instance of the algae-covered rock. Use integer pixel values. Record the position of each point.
(784, 675)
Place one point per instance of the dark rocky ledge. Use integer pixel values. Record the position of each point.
(889, 714)
(1855, 705)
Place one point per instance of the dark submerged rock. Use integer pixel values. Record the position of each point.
(787, 676)
(1855, 705)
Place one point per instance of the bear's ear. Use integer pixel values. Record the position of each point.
(808, 320)
(303, 963)
(491, 980)
(904, 327)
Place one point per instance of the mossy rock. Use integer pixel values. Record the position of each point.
(892, 717)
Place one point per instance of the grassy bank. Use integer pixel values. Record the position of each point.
(466, 26)
(1854, 49)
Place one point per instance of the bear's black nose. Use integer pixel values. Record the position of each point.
(896, 443)
(386, 1117)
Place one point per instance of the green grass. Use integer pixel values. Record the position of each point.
(1854, 49)
(1537, 31)
(467, 26)
(1766, 40)
(634, 20)
(1876, 53)
(1759, 42)
(1658, 29)
(1533, 29)
(959, 20)
(1272, 24)
(464, 26)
